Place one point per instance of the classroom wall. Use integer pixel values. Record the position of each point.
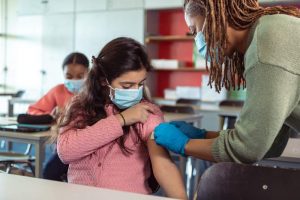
(41, 34)
(2, 54)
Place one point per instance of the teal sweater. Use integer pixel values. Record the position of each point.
(272, 105)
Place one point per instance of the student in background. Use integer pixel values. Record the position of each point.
(75, 68)
(104, 135)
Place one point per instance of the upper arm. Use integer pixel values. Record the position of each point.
(157, 153)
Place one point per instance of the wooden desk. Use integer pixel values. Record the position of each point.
(14, 187)
(37, 139)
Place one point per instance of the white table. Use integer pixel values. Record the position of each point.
(191, 118)
(37, 139)
(211, 112)
(14, 187)
(212, 107)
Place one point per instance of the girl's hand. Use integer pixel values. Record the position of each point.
(138, 113)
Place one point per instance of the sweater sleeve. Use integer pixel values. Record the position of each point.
(45, 105)
(272, 94)
(154, 120)
(74, 144)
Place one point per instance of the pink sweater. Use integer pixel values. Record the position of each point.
(58, 96)
(95, 160)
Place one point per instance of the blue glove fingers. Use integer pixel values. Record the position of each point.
(178, 124)
(189, 130)
(170, 137)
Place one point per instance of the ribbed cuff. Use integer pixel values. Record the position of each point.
(218, 148)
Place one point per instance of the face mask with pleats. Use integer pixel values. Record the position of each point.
(126, 98)
(201, 44)
(74, 86)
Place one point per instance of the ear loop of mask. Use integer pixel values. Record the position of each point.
(110, 89)
(204, 24)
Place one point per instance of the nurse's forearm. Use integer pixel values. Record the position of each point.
(211, 135)
(200, 148)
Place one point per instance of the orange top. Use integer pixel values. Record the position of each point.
(58, 96)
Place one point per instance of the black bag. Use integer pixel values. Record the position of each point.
(34, 119)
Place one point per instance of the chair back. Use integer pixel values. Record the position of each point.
(232, 103)
(189, 101)
(247, 182)
(177, 109)
(19, 94)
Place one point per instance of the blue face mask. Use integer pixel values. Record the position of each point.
(74, 86)
(201, 44)
(125, 98)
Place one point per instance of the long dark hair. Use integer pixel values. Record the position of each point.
(119, 56)
(240, 14)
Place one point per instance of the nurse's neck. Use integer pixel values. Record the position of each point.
(239, 39)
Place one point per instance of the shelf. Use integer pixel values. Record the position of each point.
(169, 38)
(183, 69)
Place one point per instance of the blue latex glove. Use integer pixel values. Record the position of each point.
(170, 137)
(189, 130)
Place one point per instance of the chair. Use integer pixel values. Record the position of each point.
(228, 121)
(247, 182)
(12, 159)
(19, 94)
(9, 158)
(189, 101)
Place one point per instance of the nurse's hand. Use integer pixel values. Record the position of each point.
(189, 130)
(170, 137)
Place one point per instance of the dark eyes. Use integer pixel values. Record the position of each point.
(129, 86)
(80, 76)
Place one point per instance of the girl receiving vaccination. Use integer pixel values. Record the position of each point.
(104, 134)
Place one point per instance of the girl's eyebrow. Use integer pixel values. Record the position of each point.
(128, 82)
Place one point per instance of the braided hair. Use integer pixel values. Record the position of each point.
(239, 14)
